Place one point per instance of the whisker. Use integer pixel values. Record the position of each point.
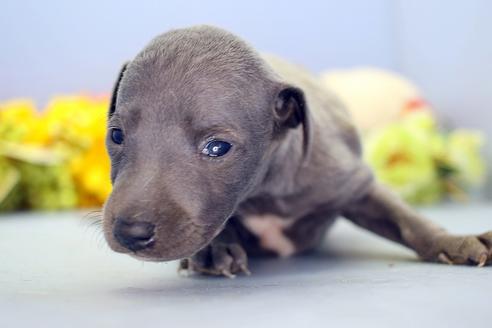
(93, 220)
(138, 214)
(93, 213)
(101, 243)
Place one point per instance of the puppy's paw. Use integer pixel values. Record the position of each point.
(474, 250)
(218, 259)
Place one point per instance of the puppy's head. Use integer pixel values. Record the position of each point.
(193, 122)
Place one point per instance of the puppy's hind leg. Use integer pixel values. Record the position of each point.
(383, 213)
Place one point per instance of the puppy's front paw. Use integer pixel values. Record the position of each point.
(475, 250)
(218, 259)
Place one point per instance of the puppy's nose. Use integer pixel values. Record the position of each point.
(134, 235)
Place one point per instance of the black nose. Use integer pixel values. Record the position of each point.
(134, 235)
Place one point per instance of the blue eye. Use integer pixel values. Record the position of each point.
(117, 136)
(216, 148)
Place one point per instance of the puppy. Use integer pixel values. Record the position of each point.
(218, 153)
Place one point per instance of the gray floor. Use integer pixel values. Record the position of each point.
(56, 271)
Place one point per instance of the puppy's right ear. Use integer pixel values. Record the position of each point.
(291, 110)
(114, 94)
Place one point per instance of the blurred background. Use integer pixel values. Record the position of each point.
(61, 58)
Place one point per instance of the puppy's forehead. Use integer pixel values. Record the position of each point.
(206, 100)
(194, 105)
(204, 75)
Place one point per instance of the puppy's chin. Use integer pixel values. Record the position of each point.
(154, 259)
(155, 256)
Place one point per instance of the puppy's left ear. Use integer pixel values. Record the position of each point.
(291, 110)
(114, 94)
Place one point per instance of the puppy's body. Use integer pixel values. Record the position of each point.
(227, 154)
(296, 189)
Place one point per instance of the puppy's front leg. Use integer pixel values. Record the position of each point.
(383, 213)
(224, 256)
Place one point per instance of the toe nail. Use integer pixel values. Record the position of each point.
(482, 260)
(444, 258)
(228, 274)
(245, 270)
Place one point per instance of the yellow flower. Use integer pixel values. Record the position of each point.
(421, 163)
(70, 128)
(17, 118)
(402, 157)
(78, 123)
(464, 155)
(91, 171)
(421, 120)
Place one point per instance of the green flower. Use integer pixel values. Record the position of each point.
(422, 164)
(34, 178)
(9, 186)
(47, 187)
(464, 155)
(402, 156)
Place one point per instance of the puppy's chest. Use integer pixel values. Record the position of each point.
(271, 232)
(274, 221)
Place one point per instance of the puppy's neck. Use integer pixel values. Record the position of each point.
(284, 165)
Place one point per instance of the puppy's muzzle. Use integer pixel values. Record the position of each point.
(134, 236)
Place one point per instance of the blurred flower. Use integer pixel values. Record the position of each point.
(17, 117)
(77, 123)
(464, 155)
(9, 186)
(421, 163)
(47, 187)
(401, 157)
(58, 155)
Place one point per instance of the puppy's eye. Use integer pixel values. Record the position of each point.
(117, 136)
(216, 148)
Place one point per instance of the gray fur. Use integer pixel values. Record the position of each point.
(296, 155)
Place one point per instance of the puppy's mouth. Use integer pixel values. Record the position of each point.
(148, 243)
(154, 254)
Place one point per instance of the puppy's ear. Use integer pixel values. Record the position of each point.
(114, 94)
(291, 110)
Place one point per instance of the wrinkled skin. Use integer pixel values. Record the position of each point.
(295, 159)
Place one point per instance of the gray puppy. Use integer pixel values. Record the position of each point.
(218, 153)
